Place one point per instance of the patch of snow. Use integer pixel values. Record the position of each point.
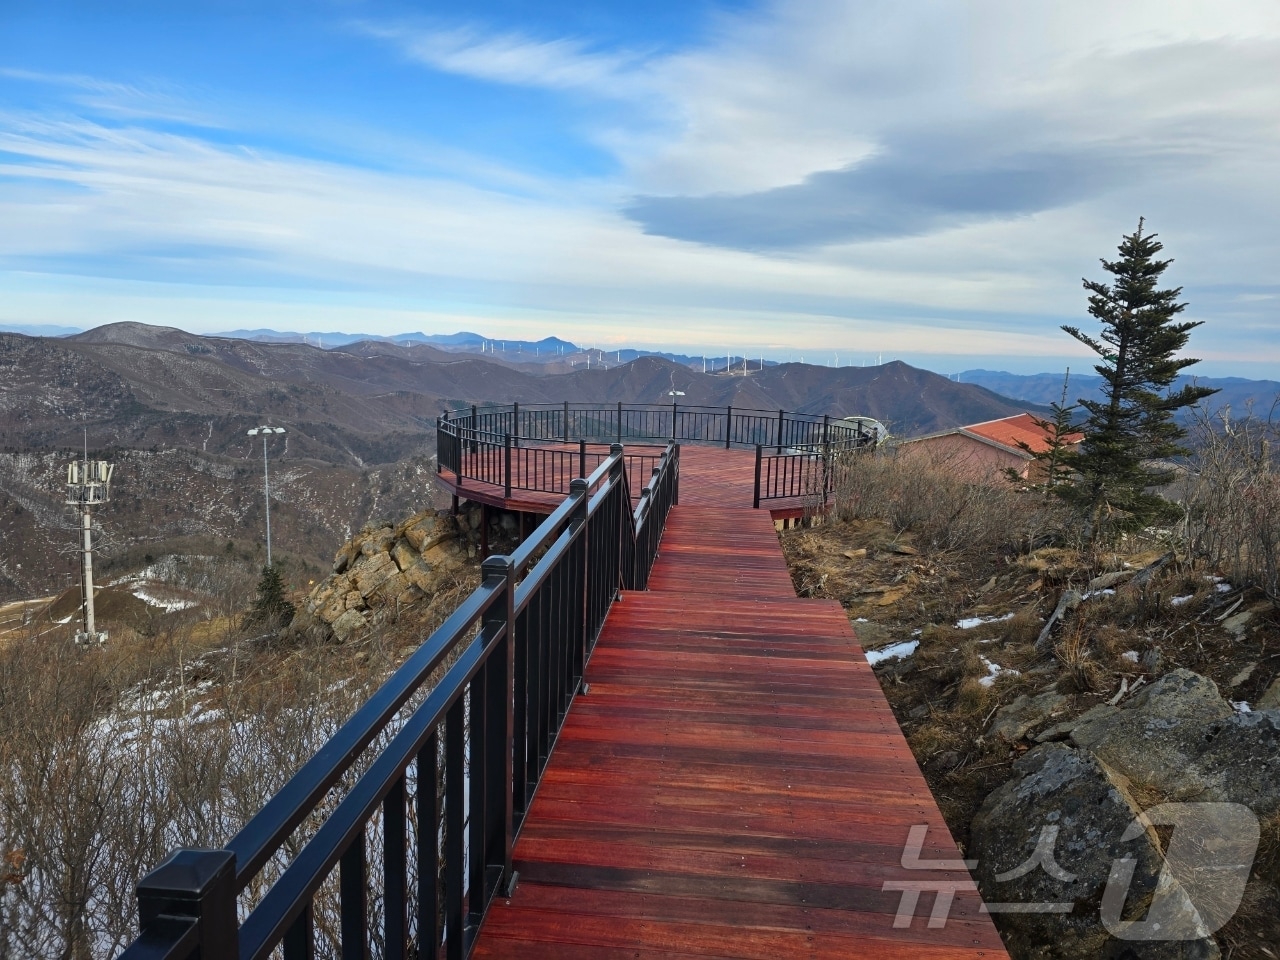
(1241, 706)
(860, 620)
(1179, 601)
(994, 670)
(895, 651)
(970, 622)
(1130, 655)
(1223, 587)
(916, 633)
(168, 606)
(1108, 592)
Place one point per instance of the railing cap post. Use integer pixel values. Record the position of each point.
(495, 565)
(199, 884)
(188, 873)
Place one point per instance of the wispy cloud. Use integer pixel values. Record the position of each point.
(151, 101)
(512, 58)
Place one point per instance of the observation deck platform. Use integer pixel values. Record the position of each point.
(541, 477)
(734, 783)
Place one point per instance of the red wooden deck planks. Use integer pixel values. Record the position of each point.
(734, 784)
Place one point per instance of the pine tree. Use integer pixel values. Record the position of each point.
(271, 608)
(1061, 436)
(1133, 424)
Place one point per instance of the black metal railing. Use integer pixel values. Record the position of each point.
(536, 447)
(447, 773)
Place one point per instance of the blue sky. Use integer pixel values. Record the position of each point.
(921, 179)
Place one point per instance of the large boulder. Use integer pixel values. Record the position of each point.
(1049, 839)
(1155, 739)
(1176, 750)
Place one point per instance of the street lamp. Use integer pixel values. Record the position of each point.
(266, 483)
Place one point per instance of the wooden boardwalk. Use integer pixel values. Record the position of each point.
(712, 473)
(734, 783)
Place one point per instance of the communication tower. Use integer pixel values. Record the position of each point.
(88, 486)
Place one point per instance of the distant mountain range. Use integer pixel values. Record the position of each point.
(172, 410)
(1045, 388)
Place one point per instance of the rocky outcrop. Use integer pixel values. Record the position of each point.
(1175, 749)
(384, 567)
(1066, 815)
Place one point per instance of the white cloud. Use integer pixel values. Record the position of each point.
(129, 101)
(511, 58)
(770, 99)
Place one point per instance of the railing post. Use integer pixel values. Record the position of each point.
(582, 513)
(507, 467)
(781, 414)
(582, 458)
(673, 419)
(619, 421)
(826, 456)
(475, 426)
(566, 421)
(675, 487)
(728, 426)
(515, 422)
(505, 612)
(624, 514)
(759, 459)
(196, 886)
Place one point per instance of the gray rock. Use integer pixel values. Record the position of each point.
(1271, 699)
(1155, 738)
(1065, 799)
(348, 624)
(1237, 623)
(1015, 720)
(1240, 761)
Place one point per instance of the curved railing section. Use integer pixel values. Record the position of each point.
(539, 447)
(445, 774)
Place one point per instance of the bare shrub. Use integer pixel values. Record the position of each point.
(943, 506)
(113, 757)
(1231, 498)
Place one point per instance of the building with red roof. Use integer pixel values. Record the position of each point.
(988, 450)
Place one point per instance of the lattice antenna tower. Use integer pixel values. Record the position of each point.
(88, 486)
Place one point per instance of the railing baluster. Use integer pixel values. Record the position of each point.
(394, 878)
(507, 465)
(454, 778)
(427, 802)
(300, 941)
(477, 785)
(353, 902)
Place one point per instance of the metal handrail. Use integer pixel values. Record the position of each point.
(526, 447)
(522, 640)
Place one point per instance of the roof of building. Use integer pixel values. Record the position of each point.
(1024, 428)
(1008, 432)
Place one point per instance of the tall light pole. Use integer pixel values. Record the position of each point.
(266, 483)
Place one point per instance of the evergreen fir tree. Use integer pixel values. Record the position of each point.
(1133, 424)
(271, 608)
(1060, 439)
